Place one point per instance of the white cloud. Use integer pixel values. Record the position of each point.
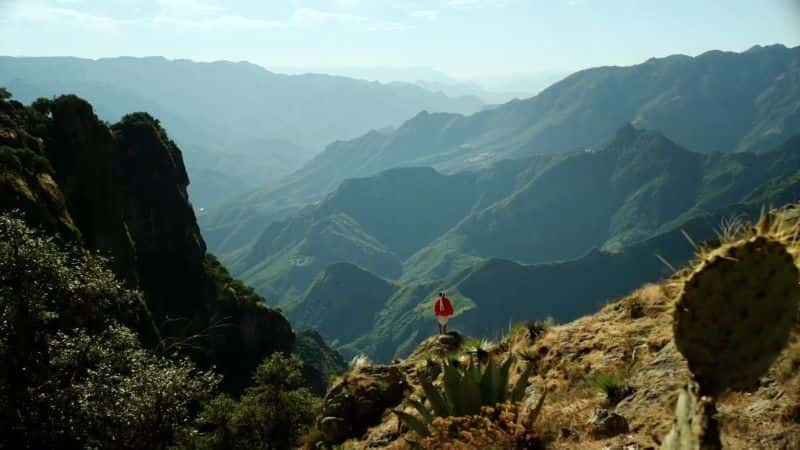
(311, 16)
(346, 3)
(231, 22)
(478, 4)
(428, 14)
(188, 8)
(385, 25)
(39, 14)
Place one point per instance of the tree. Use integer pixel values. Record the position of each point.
(272, 414)
(4, 94)
(72, 372)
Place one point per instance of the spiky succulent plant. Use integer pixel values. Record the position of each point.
(465, 390)
(736, 310)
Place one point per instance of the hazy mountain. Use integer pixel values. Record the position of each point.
(421, 228)
(494, 90)
(716, 102)
(234, 119)
(637, 185)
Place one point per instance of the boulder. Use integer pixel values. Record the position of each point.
(606, 424)
(359, 401)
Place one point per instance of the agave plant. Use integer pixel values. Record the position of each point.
(464, 391)
(480, 349)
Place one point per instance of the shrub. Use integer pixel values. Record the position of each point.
(273, 413)
(610, 385)
(72, 373)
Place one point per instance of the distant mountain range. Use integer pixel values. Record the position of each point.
(373, 252)
(716, 102)
(496, 89)
(539, 207)
(240, 125)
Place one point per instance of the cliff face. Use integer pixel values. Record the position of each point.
(26, 176)
(121, 191)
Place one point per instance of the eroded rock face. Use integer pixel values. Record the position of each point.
(83, 153)
(121, 191)
(360, 401)
(26, 177)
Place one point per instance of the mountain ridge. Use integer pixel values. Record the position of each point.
(234, 119)
(718, 101)
(604, 207)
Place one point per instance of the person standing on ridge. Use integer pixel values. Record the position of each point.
(443, 309)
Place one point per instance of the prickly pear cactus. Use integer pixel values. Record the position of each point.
(736, 311)
(695, 427)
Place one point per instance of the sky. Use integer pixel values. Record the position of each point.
(465, 39)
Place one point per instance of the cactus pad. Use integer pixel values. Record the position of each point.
(736, 311)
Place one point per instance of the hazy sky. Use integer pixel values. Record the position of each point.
(464, 38)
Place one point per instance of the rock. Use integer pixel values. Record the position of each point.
(440, 344)
(450, 340)
(359, 401)
(606, 424)
(334, 429)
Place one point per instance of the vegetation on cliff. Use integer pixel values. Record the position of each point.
(117, 326)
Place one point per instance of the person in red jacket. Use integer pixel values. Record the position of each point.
(443, 309)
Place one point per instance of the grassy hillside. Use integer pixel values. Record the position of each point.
(492, 295)
(637, 185)
(493, 292)
(343, 303)
(416, 224)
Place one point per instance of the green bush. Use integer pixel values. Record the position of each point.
(272, 414)
(72, 373)
(18, 160)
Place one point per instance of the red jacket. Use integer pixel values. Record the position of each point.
(443, 307)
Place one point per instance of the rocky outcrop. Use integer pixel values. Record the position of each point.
(83, 153)
(121, 191)
(360, 400)
(606, 424)
(26, 176)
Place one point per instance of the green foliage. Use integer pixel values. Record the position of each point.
(465, 390)
(608, 384)
(4, 94)
(479, 348)
(229, 288)
(23, 160)
(321, 364)
(73, 372)
(272, 414)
